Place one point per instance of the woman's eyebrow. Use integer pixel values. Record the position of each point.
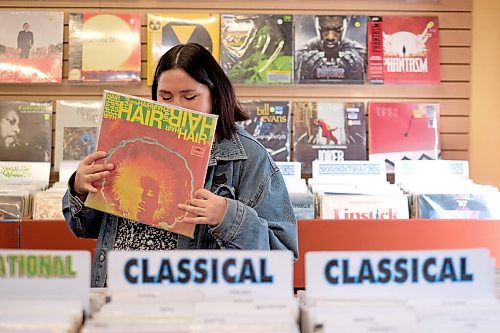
(182, 91)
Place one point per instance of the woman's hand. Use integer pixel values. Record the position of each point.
(89, 172)
(209, 208)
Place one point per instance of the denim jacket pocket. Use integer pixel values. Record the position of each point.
(225, 191)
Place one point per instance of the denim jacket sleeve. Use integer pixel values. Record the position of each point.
(261, 217)
(84, 222)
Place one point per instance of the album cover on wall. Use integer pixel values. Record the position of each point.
(31, 47)
(269, 123)
(104, 47)
(330, 49)
(403, 50)
(257, 48)
(77, 122)
(328, 131)
(26, 131)
(403, 131)
(167, 30)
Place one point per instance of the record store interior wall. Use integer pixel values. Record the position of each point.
(485, 85)
(453, 94)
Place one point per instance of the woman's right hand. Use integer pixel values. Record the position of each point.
(89, 172)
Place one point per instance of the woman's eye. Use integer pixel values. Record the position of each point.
(166, 98)
(190, 98)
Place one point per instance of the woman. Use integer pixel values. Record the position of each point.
(244, 205)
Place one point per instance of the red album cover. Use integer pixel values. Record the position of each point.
(410, 53)
(160, 153)
(399, 131)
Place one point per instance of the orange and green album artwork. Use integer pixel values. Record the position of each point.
(160, 153)
(104, 47)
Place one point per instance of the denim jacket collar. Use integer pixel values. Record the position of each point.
(227, 150)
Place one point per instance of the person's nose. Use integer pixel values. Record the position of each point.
(178, 101)
(16, 129)
(331, 35)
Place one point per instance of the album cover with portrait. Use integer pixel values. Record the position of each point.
(328, 131)
(167, 30)
(257, 48)
(269, 123)
(25, 131)
(403, 50)
(104, 47)
(160, 153)
(403, 131)
(31, 47)
(77, 122)
(330, 49)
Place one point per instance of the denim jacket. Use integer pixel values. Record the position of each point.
(259, 214)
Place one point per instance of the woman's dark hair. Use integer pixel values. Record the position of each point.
(198, 63)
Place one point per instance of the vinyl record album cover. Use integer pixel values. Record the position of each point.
(402, 131)
(257, 48)
(330, 49)
(77, 123)
(167, 30)
(160, 153)
(328, 131)
(31, 47)
(269, 123)
(104, 47)
(458, 206)
(403, 50)
(25, 131)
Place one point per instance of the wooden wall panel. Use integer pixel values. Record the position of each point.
(453, 93)
(455, 55)
(311, 5)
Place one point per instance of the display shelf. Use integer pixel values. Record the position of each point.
(314, 235)
(51, 235)
(9, 235)
(414, 234)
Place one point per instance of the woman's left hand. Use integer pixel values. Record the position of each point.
(207, 207)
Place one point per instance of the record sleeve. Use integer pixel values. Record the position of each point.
(403, 50)
(269, 123)
(117, 36)
(12, 206)
(403, 131)
(457, 206)
(160, 153)
(76, 130)
(47, 205)
(328, 131)
(257, 48)
(167, 30)
(31, 47)
(330, 49)
(26, 131)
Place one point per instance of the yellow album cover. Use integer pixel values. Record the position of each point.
(167, 30)
(104, 47)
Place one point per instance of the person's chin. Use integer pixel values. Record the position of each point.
(9, 142)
